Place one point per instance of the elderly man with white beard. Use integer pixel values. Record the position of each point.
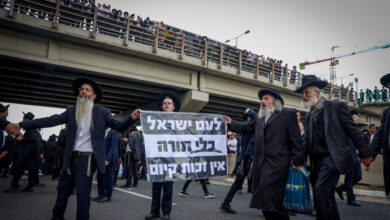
(278, 144)
(329, 127)
(86, 124)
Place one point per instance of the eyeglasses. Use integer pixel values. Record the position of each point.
(167, 103)
(307, 92)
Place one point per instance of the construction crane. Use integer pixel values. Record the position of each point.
(334, 59)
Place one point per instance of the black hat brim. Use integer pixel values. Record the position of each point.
(385, 79)
(175, 98)
(96, 87)
(319, 84)
(270, 92)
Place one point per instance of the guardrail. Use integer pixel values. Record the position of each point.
(161, 36)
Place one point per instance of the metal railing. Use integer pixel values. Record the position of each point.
(163, 37)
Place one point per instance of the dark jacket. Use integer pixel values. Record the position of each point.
(49, 148)
(3, 123)
(247, 141)
(278, 142)
(338, 127)
(111, 145)
(135, 142)
(381, 141)
(29, 151)
(101, 118)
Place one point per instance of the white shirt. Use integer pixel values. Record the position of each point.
(372, 137)
(83, 137)
(232, 143)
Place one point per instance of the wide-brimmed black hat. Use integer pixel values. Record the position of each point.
(28, 115)
(175, 98)
(53, 136)
(354, 112)
(80, 81)
(385, 79)
(311, 80)
(272, 92)
(3, 108)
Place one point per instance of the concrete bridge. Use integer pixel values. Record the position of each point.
(41, 53)
(44, 46)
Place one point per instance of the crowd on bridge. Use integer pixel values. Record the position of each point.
(95, 144)
(374, 96)
(111, 21)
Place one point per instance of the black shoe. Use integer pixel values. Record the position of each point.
(314, 213)
(165, 217)
(250, 191)
(28, 189)
(135, 185)
(353, 203)
(340, 193)
(239, 192)
(104, 199)
(227, 209)
(12, 189)
(96, 198)
(152, 216)
(39, 184)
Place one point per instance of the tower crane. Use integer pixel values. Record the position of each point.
(334, 59)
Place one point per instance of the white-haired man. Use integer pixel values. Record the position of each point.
(329, 126)
(278, 144)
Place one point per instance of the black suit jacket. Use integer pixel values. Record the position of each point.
(339, 126)
(101, 118)
(381, 138)
(3, 123)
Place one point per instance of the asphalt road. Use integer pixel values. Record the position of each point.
(135, 204)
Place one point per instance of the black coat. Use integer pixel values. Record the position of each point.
(135, 142)
(29, 151)
(3, 123)
(381, 141)
(278, 142)
(339, 127)
(101, 118)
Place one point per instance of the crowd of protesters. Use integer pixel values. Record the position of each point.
(374, 96)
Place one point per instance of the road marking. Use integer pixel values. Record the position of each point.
(133, 193)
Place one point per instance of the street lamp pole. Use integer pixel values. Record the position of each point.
(236, 38)
(342, 77)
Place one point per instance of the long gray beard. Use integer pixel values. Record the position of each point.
(309, 103)
(84, 111)
(267, 112)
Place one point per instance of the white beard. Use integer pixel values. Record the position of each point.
(267, 112)
(309, 103)
(84, 111)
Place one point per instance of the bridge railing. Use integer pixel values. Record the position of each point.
(161, 37)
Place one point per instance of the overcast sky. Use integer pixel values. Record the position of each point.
(291, 30)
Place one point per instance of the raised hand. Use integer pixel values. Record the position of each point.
(228, 119)
(136, 113)
(12, 128)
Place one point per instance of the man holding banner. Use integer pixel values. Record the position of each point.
(180, 146)
(168, 102)
(278, 144)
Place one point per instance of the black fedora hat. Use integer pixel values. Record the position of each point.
(311, 80)
(28, 115)
(175, 98)
(80, 81)
(385, 79)
(272, 92)
(3, 108)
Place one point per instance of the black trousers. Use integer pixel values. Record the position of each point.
(33, 177)
(324, 179)
(131, 166)
(239, 181)
(351, 179)
(80, 179)
(166, 202)
(281, 215)
(202, 182)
